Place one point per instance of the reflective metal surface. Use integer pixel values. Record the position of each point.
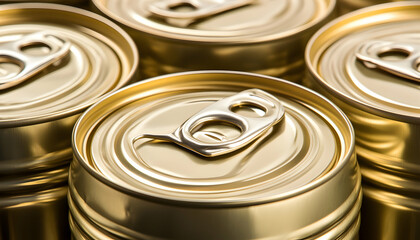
(31, 209)
(38, 114)
(158, 189)
(265, 36)
(394, 198)
(382, 106)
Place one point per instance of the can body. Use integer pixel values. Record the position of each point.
(276, 49)
(281, 58)
(191, 205)
(38, 112)
(156, 224)
(397, 210)
(379, 103)
(48, 207)
(34, 173)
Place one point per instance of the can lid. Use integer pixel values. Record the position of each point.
(218, 21)
(371, 58)
(54, 67)
(205, 138)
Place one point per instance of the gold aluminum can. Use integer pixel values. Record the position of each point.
(56, 61)
(367, 63)
(266, 37)
(214, 155)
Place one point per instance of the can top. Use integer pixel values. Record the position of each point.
(218, 21)
(212, 138)
(57, 60)
(370, 58)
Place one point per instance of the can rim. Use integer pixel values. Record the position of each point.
(78, 11)
(213, 39)
(312, 185)
(370, 108)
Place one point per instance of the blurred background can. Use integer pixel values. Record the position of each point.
(367, 62)
(266, 37)
(214, 155)
(56, 61)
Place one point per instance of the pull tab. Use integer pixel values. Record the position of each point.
(370, 54)
(221, 111)
(31, 64)
(199, 8)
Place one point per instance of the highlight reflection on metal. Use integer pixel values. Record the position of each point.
(200, 8)
(370, 54)
(31, 64)
(221, 111)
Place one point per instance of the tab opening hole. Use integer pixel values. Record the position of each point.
(394, 54)
(183, 7)
(36, 49)
(9, 67)
(248, 110)
(216, 131)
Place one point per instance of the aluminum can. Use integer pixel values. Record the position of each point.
(367, 63)
(214, 155)
(56, 61)
(266, 37)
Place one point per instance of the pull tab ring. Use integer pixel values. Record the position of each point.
(369, 53)
(31, 64)
(251, 127)
(200, 8)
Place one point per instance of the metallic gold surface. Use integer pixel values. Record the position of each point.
(383, 108)
(160, 190)
(391, 196)
(265, 37)
(37, 116)
(35, 215)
